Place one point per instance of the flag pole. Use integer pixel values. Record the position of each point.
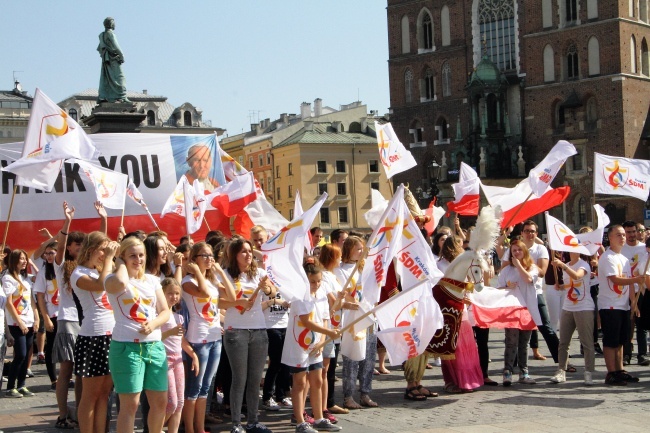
(124, 203)
(4, 239)
(206, 224)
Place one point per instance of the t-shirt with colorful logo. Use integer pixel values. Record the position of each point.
(21, 291)
(244, 288)
(133, 306)
(276, 316)
(50, 291)
(98, 313)
(204, 325)
(343, 273)
(331, 285)
(67, 307)
(577, 294)
(637, 256)
(299, 340)
(613, 296)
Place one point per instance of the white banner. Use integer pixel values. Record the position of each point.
(621, 176)
(392, 153)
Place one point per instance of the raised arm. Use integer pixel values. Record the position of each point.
(62, 235)
(99, 207)
(41, 248)
(97, 285)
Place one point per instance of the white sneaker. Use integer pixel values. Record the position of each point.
(589, 380)
(559, 377)
(286, 403)
(437, 362)
(271, 405)
(525, 378)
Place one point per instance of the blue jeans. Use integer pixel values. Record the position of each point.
(197, 386)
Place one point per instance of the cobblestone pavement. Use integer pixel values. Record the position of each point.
(569, 407)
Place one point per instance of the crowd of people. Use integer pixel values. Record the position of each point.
(201, 322)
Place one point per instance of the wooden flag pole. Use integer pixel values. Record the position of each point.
(206, 224)
(11, 205)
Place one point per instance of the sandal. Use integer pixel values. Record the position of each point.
(410, 394)
(349, 403)
(64, 424)
(367, 401)
(425, 392)
(570, 369)
(384, 371)
(451, 388)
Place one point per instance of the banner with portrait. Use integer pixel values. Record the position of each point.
(154, 162)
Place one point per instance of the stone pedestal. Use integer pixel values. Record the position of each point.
(114, 117)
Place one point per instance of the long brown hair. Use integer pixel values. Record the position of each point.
(195, 251)
(452, 247)
(232, 266)
(12, 267)
(526, 260)
(348, 246)
(90, 244)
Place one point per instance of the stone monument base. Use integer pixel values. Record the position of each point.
(114, 117)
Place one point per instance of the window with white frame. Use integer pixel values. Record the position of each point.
(340, 166)
(341, 188)
(322, 188)
(321, 167)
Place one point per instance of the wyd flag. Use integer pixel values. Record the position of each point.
(51, 137)
(392, 153)
(284, 252)
(110, 186)
(195, 205)
(382, 247)
(561, 238)
(540, 177)
(621, 176)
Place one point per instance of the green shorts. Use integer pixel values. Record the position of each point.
(138, 366)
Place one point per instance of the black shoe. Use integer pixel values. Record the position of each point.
(614, 380)
(598, 349)
(624, 375)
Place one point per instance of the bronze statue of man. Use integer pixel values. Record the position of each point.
(112, 84)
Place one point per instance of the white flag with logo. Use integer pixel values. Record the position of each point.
(195, 205)
(175, 203)
(51, 137)
(110, 186)
(561, 238)
(542, 175)
(284, 252)
(408, 323)
(621, 176)
(392, 153)
(382, 246)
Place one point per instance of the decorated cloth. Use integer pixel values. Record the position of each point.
(446, 293)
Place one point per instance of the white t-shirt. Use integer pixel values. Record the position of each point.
(537, 251)
(204, 325)
(635, 254)
(342, 274)
(331, 285)
(173, 342)
(67, 307)
(21, 291)
(3, 303)
(299, 340)
(276, 316)
(577, 292)
(50, 290)
(244, 289)
(133, 306)
(98, 313)
(443, 264)
(511, 277)
(613, 296)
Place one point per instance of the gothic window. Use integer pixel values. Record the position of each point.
(497, 25)
(416, 131)
(633, 65)
(151, 118)
(406, 37)
(570, 10)
(442, 131)
(572, 63)
(549, 64)
(632, 9)
(73, 113)
(427, 89)
(444, 26)
(645, 68)
(408, 85)
(425, 31)
(446, 79)
(593, 51)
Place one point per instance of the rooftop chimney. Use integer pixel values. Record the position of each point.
(318, 107)
(144, 91)
(305, 110)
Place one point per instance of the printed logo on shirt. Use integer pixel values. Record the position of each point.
(22, 299)
(335, 318)
(207, 308)
(53, 292)
(576, 292)
(616, 288)
(242, 293)
(303, 336)
(103, 302)
(137, 308)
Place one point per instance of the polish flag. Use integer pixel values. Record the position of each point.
(435, 213)
(466, 192)
(500, 308)
(511, 199)
(232, 198)
(543, 174)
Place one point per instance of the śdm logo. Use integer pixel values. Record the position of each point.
(615, 175)
(384, 150)
(565, 237)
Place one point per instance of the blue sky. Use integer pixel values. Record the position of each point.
(228, 57)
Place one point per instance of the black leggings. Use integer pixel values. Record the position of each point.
(49, 344)
(482, 336)
(277, 382)
(331, 376)
(22, 343)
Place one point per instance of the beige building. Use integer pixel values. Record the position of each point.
(15, 107)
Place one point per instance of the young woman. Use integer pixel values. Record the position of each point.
(523, 274)
(91, 349)
(438, 241)
(22, 319)
(351, 254)
(137, 357)
(577, 312)
(47, 296)
(246, 340)
(159, 259)
(202, 290)
(451, 248)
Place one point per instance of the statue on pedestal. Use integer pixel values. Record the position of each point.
(112, 84)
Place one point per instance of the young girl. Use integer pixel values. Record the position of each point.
(520, 273)
(22, 319)
(137, 358)
(47, 296)
(305, 323)
(175, 342)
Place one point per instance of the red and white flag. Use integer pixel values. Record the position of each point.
(382, 246)
(392, 153)
(284, 252)
(195, 205)
(542, 175)
(51, 137)
(562, 238)
(232, 198)
(621, 176)
(466, 192)
(110, 186)
(505, 308)
(408, 323)
(435, 213)
(510, 199)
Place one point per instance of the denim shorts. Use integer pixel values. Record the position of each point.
(312, 367)
(138, 366)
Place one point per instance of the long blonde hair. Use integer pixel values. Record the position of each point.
(90, 244)
(130, 242)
